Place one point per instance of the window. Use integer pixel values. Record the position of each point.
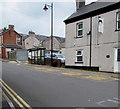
(79, 56)
(118, 21)
(17, 39)
(100, 25)
(80, 29)
(118, 55)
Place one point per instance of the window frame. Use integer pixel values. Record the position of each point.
(117, 21)
(77, 29)
(17, 39)
(100, 25)
(81, 55)
(118, 55)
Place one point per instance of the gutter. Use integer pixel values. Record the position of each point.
(93, 13)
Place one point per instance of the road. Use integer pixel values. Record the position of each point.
(46, 88)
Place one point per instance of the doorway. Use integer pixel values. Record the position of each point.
(117, 60)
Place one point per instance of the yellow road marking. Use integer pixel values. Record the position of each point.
(92, 77)
(72, 74)
(45, 69)
(116, 79)
(16, 95)
(12, 62)
(39, 68)
(96, 77)
(13, 97)
(51, 70)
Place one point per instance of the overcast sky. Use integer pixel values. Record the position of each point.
(30, 16)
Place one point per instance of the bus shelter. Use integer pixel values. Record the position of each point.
(36, 55)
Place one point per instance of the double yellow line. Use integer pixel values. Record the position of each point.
(21, 103)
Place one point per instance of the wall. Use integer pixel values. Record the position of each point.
(10, 38)
(3, 52)
(1, 40)
(103, 44)
(56, 44)
(31, 42)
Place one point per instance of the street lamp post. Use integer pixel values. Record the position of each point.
(46, 8)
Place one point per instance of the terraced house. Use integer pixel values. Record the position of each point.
(93, 36)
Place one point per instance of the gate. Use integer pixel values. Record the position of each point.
(21, 55)
(11, 55)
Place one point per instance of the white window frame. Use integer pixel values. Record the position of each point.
(81, 55)
(18, 39)
(79, 29)
(100, 25)
(118, 54)
(118, 20)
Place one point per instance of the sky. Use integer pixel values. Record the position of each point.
(28, 15)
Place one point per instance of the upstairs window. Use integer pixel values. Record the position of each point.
(17, 39)
(100, 25)
(79, 56)
(118, 21)
(80, 29)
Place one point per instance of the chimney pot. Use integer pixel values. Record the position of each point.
(79, 4)
(11, 27)
(30, 32)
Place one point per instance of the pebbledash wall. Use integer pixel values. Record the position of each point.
(104, 53)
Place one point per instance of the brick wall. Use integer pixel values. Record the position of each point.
(3, 52)
(10, 38)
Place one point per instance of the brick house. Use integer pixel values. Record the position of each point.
(10, 40)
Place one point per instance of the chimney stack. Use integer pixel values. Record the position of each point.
(11, 27)
(31, 34)
(79, 4)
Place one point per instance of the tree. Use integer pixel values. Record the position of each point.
(4, 29)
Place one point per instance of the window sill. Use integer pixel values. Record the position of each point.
(117, 30)
(78, 62)
(79, 37)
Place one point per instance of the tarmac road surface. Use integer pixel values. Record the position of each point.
(46, 88)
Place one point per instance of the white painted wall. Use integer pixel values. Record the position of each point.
(31, 41)
(103, 44)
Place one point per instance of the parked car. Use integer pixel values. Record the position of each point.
(56, 56)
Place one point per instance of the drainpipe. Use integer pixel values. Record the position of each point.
(90, 64)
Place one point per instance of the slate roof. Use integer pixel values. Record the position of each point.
(92, 9)
(24, 36)
(44, 38)
(2, 33)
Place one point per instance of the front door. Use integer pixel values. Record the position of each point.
(117, 60)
